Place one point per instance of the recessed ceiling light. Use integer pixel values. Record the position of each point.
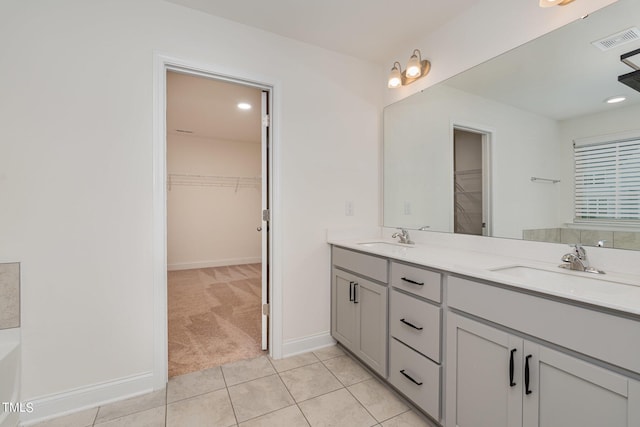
(615, 99)
(244, 106)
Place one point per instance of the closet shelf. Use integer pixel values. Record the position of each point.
(191, 180)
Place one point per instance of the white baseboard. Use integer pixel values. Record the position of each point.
(82, 398)
(214, 263)
(306, 344)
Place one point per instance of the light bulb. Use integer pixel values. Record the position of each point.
(395, 78)
(414, 68)
(615, 99)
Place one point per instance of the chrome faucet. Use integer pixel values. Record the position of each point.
(577, 260)
(403, 236)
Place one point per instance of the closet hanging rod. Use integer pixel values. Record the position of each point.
(191, 180)
(553, 181)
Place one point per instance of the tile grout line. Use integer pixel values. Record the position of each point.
(362, 404)
(95, 417)
(226, 387)
(166, 403)
(275, 410)
(372, 378)
(289, 391)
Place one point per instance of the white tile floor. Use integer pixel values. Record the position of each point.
(322, 388)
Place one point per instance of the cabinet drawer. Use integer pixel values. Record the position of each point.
(418, 281)
(416, 323)
(416, 377)
(367, 265)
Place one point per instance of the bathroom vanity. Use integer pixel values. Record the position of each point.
(481, 340)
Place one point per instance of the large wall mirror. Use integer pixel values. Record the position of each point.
(491, 150)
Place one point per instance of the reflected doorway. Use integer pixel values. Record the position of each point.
(471, 181)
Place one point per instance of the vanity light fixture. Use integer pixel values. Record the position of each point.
(549, 3)
(244, 106)
(416, 68)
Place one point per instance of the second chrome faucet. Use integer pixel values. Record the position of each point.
(577, 260)
(403, 236)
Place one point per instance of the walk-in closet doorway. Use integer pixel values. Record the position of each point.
(217, 134)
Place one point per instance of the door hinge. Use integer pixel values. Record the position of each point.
(265, 309)
(266, 120)
(266, 215)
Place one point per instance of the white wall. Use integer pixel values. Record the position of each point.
(76, 175)
(210, 226)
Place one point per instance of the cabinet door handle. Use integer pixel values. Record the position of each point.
(409, 377)
(411, 325)
(526, 375)
(350, 291)
(413, 282)
(511, 382)
(355, 293)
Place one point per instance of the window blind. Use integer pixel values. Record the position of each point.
(607, 180)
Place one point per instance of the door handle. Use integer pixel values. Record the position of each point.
(511, 368)
(355, 293)
(526, 375)
(350, 291)
(411, 325)
(410, 378)
(413, 282)
(259, 229)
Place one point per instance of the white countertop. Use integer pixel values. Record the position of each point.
(619, 292)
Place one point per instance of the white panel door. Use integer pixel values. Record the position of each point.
(566, 391)
(371, 301)
(484, 375)
(264, 229)
(344, 327)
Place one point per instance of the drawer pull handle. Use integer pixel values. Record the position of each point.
(409, 377)
(411, 325)
(511, 383)
(413, 282)
(350, 291)
(355, 293)
(526, 375)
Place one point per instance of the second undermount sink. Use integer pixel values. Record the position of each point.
(573, 282)
(384, 245)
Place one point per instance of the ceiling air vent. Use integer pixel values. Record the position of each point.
(618, 39)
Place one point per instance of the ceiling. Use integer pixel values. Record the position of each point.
(563, 62)
(207, 108)
(372, 30)
(561, 75)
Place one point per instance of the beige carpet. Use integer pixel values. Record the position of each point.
(214, 317)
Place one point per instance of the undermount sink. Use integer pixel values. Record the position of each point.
(384, 245)
(572, 282)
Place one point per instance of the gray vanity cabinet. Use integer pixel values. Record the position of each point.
(414, 329)
(499, 377)
(359, 306)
